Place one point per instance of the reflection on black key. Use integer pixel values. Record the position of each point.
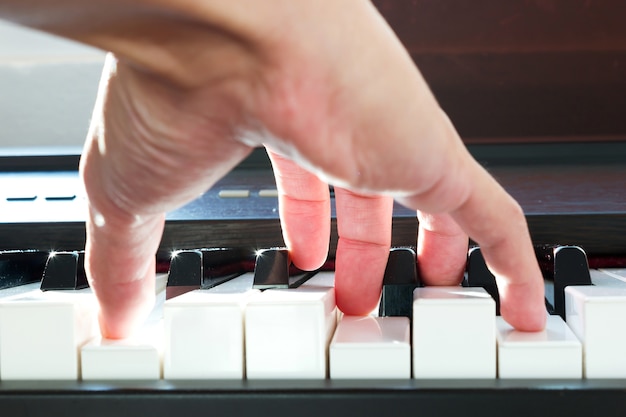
(478, 275)
(65, 271)
(398, 284)
(220, 265)
(204, 268)
(21, 267)
(185, 270)
(562, 266)
(271, 269)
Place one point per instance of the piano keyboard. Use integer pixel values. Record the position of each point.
(216, 342)
(292, 330)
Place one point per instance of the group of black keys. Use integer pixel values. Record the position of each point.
(206, 268)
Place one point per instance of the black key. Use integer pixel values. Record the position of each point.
(399, 282)
(222, 264)
(185, 273)
(478, 275)
(21, 267)
(562, 266)
(204, 268)
(273, 269)
(65, 271)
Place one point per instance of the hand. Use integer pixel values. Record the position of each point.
(332, 94)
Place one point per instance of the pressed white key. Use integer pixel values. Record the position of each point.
(595, 313)
(453, 333)
(554, 352)
(288, 330)
(204, 332)
(41, 333)
(137, 357)
(371, 347)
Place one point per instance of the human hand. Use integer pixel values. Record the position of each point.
(334, 96)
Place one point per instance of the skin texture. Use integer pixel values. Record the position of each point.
(335, 98)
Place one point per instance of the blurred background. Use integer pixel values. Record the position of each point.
(515, 71)
(47, 90)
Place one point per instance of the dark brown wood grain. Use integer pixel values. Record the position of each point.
(507, 26)
(520, 68)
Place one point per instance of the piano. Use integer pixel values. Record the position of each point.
(537, 89)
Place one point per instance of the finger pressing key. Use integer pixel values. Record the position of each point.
(304, 205)
(364, 228)
(496, 222)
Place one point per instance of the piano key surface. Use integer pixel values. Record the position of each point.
(204, 331)
(595, 313)
(41, 334)
(554, 352)
(287, 331)
(371, 347)
(313, 300)
(137, 357)
(319, 395)
(453, 333)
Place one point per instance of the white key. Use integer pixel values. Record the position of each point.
(19, 291)
(595, 313)
(453, 333)
(371, 347)
(137, 357)
(619, 273)
(41, 333)
(288, 330)
(205, 332)
(554, 352)
(608, 277)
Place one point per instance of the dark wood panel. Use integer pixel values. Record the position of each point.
(511, 25)
(531, 95)
(520, 69)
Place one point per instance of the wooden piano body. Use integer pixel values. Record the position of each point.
(537, 89)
